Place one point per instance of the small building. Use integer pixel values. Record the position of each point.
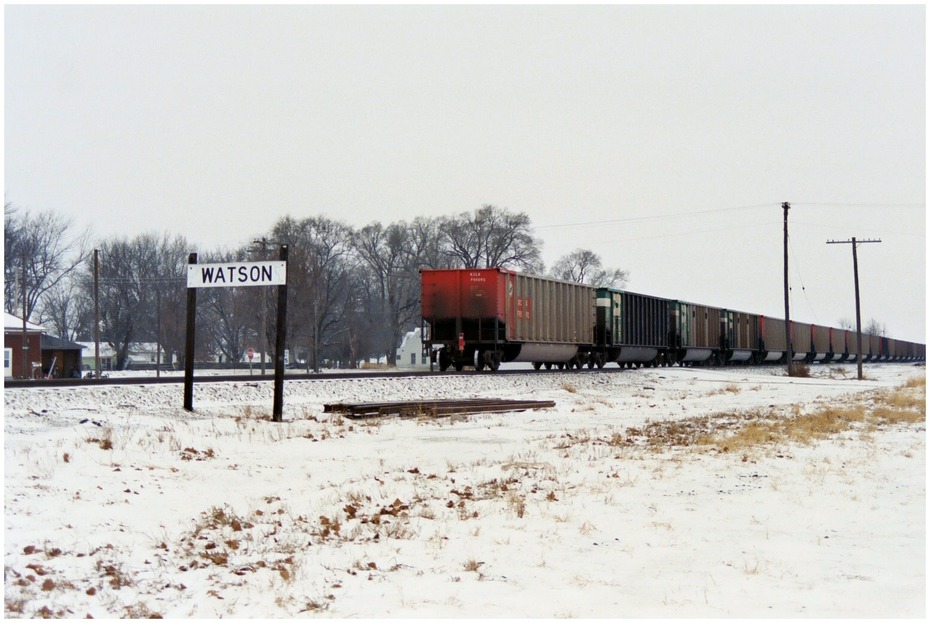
(16, 350)
(61, 358)
(107, 357)
(410, 354)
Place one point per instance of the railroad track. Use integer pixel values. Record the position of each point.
(257, 378)
(433, 408)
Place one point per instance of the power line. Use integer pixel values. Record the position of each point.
(861, 205)
(797, 269)
(656, 217)
(142, 280)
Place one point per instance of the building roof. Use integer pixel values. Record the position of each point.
(105, 349)
(410, 336)
(12, 323)
(50, 342)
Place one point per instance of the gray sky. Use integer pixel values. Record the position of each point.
(662, 138)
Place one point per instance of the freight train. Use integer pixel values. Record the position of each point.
(484, 317)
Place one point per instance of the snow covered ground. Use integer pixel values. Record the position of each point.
(616, 503)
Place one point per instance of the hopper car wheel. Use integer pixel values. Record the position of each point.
(537, 365)
(561, 365)
(601, 362)
(592, 361)
(491, 359)
(548, 366)
(479, 363)
(458, 366)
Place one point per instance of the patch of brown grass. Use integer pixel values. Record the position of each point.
(105, 440)
(904, 405)
(742, 431)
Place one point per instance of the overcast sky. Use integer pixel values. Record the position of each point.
(663, 138)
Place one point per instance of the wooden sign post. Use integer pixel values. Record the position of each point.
(230, 275)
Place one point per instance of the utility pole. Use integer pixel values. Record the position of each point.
(96, 314)
(158, 331)
(27, 370)
(854, 244)
(788, 354)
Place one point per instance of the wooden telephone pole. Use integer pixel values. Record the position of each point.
(788, 354)
(854, 244)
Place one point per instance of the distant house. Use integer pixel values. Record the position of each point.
(410, 354)
(14, 347)
(107, 357)
(43, 354)
(140, 354)
(148, 353)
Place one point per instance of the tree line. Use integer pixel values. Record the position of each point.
(352, 293)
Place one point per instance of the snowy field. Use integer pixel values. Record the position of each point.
(643, 493)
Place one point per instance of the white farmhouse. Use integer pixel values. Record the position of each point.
(410, 353)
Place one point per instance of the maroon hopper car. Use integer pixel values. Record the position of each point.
(482, 317)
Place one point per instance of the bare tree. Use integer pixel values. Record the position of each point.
(12, 259)
(134, 276)
(585, 266)
(384, 251)
(44, 247)
(320, 263)
(425, 250)
(66, 311)
(168, 300)
(231, 311)
(491, 237)
(874, 327)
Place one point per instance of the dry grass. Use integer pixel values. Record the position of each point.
(517, 504)
(904, 405)
(732, 388)
(742, 431)
(105, 440)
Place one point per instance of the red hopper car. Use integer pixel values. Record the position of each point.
(483, 317)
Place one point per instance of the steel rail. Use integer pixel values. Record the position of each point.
(242, 378)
